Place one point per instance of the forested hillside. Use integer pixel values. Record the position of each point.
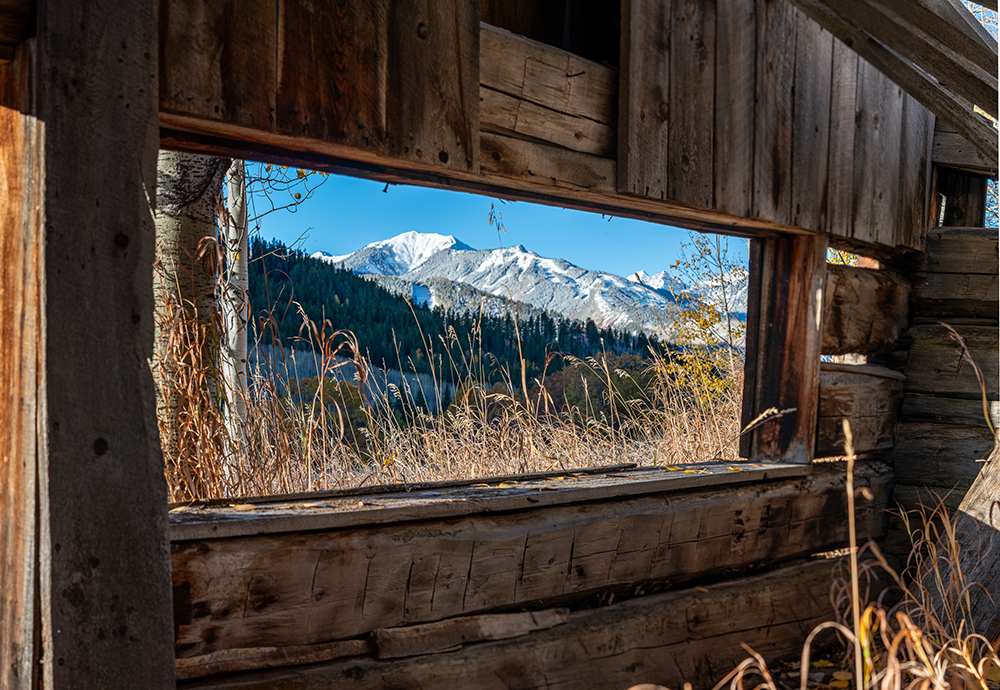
(393, 334)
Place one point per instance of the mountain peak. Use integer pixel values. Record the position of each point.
(396, 255)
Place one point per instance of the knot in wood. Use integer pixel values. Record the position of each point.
(423, 31)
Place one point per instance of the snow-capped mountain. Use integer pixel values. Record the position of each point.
(429, 262)
(395, 256)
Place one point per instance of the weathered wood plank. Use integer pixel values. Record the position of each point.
(811, 126)
(432, 84)
(644, 98)
(788, 347)
(102, 569)
(866, 396)
(684, 636)
(21, 330)
(843, 109)
(430, 638)
(755, 287)
(401, 503)
(937, 97)
(548, 77)
(690, 170)
(935, 408)
(307, 588)
(736, 61)
(551, 165)
(963, 196)
(961, 251)
(776, 38)
(935, 363)
(956, 295)
(201, 48)
(952, 150)
(233, 660)
(915, 215)
(502, 113)
(940, 454)
(864, 310)
(329, 88)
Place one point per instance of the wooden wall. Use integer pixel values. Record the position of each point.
(942, 431)
(740, 116)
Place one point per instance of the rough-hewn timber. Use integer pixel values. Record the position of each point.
(866, 396)
(864, 310)
(692, 635)
(90, 598)
(311, 587)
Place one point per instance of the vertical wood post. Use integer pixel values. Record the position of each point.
(784, 342)
(84, 559)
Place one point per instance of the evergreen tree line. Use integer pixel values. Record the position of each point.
(393, 334)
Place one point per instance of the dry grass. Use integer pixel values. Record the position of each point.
(677, 408)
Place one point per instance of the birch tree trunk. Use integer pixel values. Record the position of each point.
(185, 284)
(236, 304)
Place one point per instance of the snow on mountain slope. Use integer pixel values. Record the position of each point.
(430, 261)
(395, 256)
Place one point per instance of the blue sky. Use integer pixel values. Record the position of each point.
(347, 213)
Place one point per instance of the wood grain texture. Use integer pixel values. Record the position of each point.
(789, 343)
(691, 635)
(540, 88)
(310, 587)
(751, 356)
(940, 454)
(200, 50)
(735, 116)
(843, 109)
(547, 165)
(868, 397)
(432, 92)
(961, 251)
(811, 126)
(944, 410)
(17, 21)
(776, 38)
(330, 77)
(956, 295)
(690, 166)
(644, 98)
(254, 658)
(935, 363)
(103, 555)
(21, 331)
(953, 151)
(915, 213)
(864, 310)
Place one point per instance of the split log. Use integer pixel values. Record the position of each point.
(961, 251)
(249, 659)
(867, 396)
(311, 587)
(451, 634)
(864, 310)
(942, 410)
(939, 455)
(953, 295)
(693, 635)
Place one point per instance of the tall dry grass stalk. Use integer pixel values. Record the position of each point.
(678, 407)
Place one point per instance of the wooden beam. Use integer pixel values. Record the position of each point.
(691, 635)
(21, 331)
(935, 363)
(943, 454)
(789, 341)
(301, 588)
(866, 396)
(864, 310)
(938, 98)
(953, 151)
(89, 490)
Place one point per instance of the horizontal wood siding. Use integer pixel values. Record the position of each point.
(304, 588)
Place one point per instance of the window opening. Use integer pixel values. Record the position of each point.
(394, 332)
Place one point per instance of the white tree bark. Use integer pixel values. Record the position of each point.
(236, 304)
(185, 284)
